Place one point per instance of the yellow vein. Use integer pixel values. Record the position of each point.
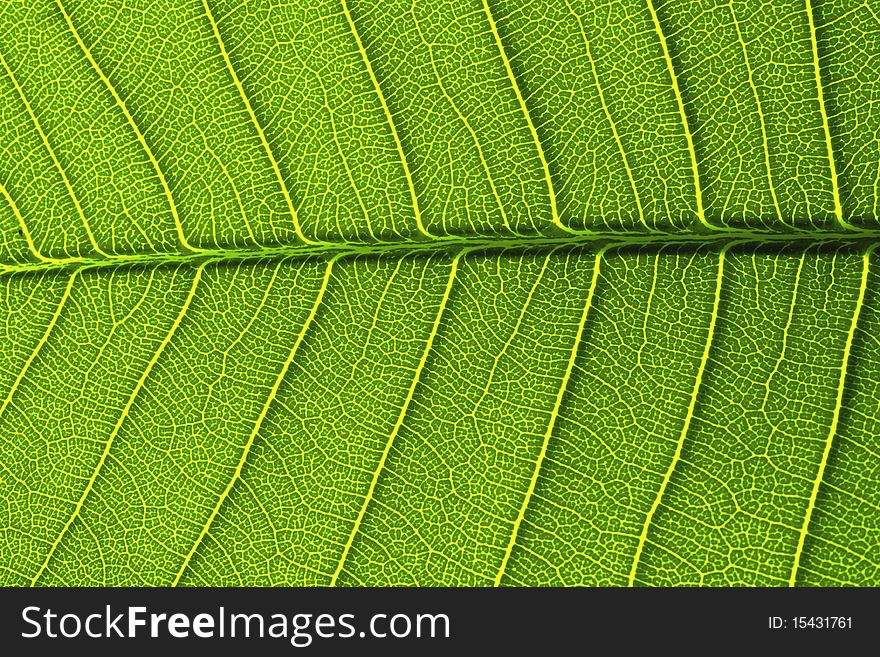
(64, 297)
(522, 104)
(704, 359)
(554, 414)
(835, 418)
(463, 119)
(273, 392)
(835, 188)
(701, 215)
(341, 153)
(27, 233)
(122, 417)
(786, 329)
(406, 170)
(258, 126)
(524, 309)
(399, 423)
(238, 202)
(54, 157)
(446, 244)
(380, 306)
(649, 308)
(876, 205)
(620, 149)
(140, 137)
(742, 44)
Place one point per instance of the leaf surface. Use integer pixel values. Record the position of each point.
(474, 292)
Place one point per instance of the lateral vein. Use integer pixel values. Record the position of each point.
(496, 361)
(525, 111)
(388, 117)
(54, 157)
(704, 359)
(835, 417)
(131, 122)
(399, 423)
(617, 140)
(554, 415)
(754, 88)
(679, 99)
(273, 392)
(250, 110)
(122, 417)
(32, 247)
(45, 337)
(835, 187)
(785, 330)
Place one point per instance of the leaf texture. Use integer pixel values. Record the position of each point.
(471, 292)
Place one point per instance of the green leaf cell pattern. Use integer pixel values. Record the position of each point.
(471, 292)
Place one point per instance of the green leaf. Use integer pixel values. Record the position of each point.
(470, 292)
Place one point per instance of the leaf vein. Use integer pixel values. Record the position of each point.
(390, 119)
(835, 187)
(679, 99)
(528, 117)
(45, 139)
(761, 117)
(554, 415)
(43, 339)
(399, 423)
(273, 392)
(835, 418)
(704, 359)
(259, 128)
(166, 190)
(122, 416)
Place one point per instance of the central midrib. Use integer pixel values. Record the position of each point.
(450, 244)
